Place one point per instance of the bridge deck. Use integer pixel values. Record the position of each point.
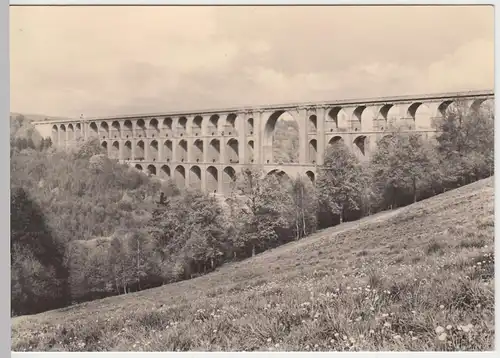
(247, 108)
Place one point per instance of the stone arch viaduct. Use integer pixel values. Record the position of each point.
(205, 149)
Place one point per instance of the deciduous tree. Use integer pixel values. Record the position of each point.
(340, 182)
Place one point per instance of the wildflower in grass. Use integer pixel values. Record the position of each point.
(414, 338)
(439, 329)
(441, 306)
(466, 328)
(448, 327)
(442, 336)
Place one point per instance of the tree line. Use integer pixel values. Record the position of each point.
(85, 227)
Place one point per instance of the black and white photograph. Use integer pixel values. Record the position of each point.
(252, 178)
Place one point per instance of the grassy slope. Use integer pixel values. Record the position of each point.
(420, 263)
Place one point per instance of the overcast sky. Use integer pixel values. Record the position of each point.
(115, 60)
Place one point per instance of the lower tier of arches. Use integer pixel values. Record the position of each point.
(217, 179)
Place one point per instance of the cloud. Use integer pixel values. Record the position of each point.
(111, 60)
(471, 66)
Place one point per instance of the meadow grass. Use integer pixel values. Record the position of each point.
(416, 278)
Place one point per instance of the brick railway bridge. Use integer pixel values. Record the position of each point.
(205, 149)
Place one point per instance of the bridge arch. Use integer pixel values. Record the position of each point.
(389, 115)
(154, 130)
(444, 108)
(250, 126)
(281, 175)
(115, 150)
(228, 179)
(140, 151)
(271, 123)
(230, 128)
(138, 167)
(55, 135)
(182, 124)
(128, 130)
(78, 131)
(385, 139)
(312, 124)
(232, 151)
(358, 118)
(63, 133)
(165, 172)
(311, 176)
(360, 145)
(140, 128)
(167, 123)
(151, 169)
(182, 150)
(476, 105)
(104, 129)
(93, 130)
(195, 177)
(198, 150)
(212, 181)
(282, 146)
(214, 151)
(127, 150)
(213, 124)
(115, 127)
(250, 151)
(167, 150)
(312, 151)
(487, 107)
(421, 115)
(153, 150)
(180, 177)
(335, 140)
(335, 119)
(71, 132)
(197, 125)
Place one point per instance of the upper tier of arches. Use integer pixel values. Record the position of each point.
(344, 118)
